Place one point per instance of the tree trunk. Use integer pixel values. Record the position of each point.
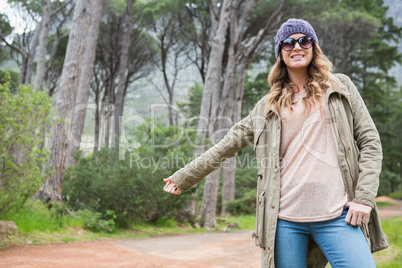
(213, 82)
(228, 186)
(214, 71)
(23, 68)
(122, 73)
(26, 76)
(84, 86)
(69, 84)
(42, 47)
(209, 200)
(97, 123)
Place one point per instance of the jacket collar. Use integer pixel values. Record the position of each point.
(338, 87)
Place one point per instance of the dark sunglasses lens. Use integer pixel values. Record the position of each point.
(288, 44)
(305, 42)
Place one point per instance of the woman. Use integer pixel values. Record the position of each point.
(319, 158)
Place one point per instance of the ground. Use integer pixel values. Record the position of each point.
(232, 249)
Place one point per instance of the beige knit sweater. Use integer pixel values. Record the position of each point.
(312, 188)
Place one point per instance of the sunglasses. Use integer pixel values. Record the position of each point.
(289, 43)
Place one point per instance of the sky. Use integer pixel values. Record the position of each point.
(16, 18)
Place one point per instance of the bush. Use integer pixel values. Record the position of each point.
(132, 187)
(245, 192)
(244, 205)
(22, 116)
(10, 77)
(93, 220)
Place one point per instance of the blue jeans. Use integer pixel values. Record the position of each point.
(344, 245)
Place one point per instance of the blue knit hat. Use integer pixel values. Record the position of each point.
(293, 26)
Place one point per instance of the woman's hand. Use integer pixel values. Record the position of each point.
(171, 187)
(358, 212)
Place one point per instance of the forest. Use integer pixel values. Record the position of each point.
(101, 99)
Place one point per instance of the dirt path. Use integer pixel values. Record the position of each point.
(234, 249)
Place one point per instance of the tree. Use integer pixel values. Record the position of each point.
(139, 64)
(167, 20)
(23, 46)
(49, 15)
(220, 22)
(78, 51)
(198, 33)
(57, 47)
(42, 46)
(123, 70)
(83, 91)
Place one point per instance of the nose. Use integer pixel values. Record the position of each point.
(297, 46)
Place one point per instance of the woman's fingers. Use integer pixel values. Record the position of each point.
(166, 185)
(171, 187)
(357, 213)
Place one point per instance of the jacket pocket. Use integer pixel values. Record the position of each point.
(257, 137)
(259, 234)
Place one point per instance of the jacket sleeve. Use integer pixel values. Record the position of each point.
(239, 136)
(369, 144)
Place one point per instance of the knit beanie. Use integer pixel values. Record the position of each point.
(293, 26)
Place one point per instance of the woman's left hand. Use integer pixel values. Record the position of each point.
(357, 213)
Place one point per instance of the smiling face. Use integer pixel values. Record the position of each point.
(298, 58)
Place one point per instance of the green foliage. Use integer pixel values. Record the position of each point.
(243, 205)
(31, 6)
(93, 221)
(245, 192)
(192, 107)
(5, 26)
(131, 187)
(254, 90)
(396, 195)
(10, 77)
(21, 117)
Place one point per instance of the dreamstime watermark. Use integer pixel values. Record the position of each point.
(177, 161)
(146, 133)
(145, 129)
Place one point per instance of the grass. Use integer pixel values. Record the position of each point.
(35, 217)
(384, 204)
(391, 257)
(39, 225)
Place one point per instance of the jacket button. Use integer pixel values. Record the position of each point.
(273, 206)
(268, 248)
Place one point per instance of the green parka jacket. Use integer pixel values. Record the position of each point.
(359, 153)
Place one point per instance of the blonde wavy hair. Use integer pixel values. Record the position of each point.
(319, 80)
